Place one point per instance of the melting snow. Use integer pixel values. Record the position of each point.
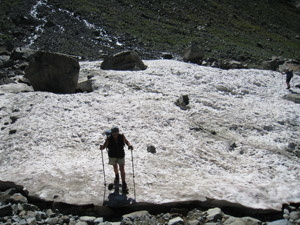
(55, 150)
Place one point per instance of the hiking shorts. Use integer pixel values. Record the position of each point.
(113, 161)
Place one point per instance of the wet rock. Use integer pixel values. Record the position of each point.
(6, 80)
(85, 86)
(18, 198)
(99, 220)
(194, 222)
(53, 72)
(183, 102)
(50, 213)
(193, 54)
(30, 207)
(297, 85)
(151, 149)
(52, 221)
(176, 221)
(128, 60)
(167, 56)
(22, 54)
(6, 210)
(81, 223)
(292, 97)
(136, 214)
(214, 214)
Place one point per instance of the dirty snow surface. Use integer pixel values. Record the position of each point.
(50, 143)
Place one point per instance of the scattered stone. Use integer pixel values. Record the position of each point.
(176, 221)
(99, 220)
(18, 198)
(292, 97)
(290, 65)
(22, 54)
(193, 54)
(6, 210)
(52, 221)
(183, 102)
(234, 221)
(88, 219)
(6, 80)
(278, 222)
(294, 216)
(232, 146)
(272, 64)
(194, 222)
(81, 223)
(50, 213)
(151, 149)
(30, 207)
(53, 72)
(297, 85)
(214, 214)
(128, 60)
(12, 132)
(136, 214)
(251, 221)
(85, 86)
(31, 221)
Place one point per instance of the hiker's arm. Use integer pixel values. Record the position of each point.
(127, 143)
(104, 146)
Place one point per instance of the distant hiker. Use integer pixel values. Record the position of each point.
(115, 143)
(289, 74)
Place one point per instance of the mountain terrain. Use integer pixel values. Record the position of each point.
(247, 31)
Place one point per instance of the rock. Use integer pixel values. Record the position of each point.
(194, 222)
(88, 219)
(151, 149)
(183, 102)
(5, 196)
(30, 207)
(294, 216)
(251, 221)
(167, 56)
(21, 66)
(297, 85)
(6, 210)
(214, 214)
(53, 72)
(193, 54)
(136, 214)
(234, 221)
(128, 60)
(232, 64)
(99, 220)
(292, 97)
(53, 221)
(22, 54)
(278, 222)
(290, 65)
(176, 221)
(31, 221)
(85, 86)
(272, 64)
(50, 213)
(81, 223)
(18, 198)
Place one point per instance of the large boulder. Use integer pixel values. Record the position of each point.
(53, 72)
(292, 97)
(128, 60)
(290, 65)
(272, 64)
(193, 54)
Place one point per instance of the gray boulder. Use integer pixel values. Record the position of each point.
(292, 97)
(151, 149)
(53, 72)
(176, 221)
(193, 54)
(18, 198)
(128, 60)
(85, 86)
(5, 210)
(290, 65)
(215, 214)
(272, 64)
(183, 102)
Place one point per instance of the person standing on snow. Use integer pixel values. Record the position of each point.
(289, 75)
(115, 144)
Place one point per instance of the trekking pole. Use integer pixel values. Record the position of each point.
(103, 169)
(133, 175)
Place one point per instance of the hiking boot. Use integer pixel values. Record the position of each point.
(124, 188)
(117, 178)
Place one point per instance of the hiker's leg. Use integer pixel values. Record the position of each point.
(116, 169)
(122, 170)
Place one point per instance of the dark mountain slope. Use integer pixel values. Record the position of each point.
(249, 31)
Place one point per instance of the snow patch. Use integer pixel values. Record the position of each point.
(55, 150)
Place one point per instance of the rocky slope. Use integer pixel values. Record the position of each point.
(240, 30)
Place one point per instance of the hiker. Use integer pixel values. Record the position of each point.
(289, 74)
(115, 143)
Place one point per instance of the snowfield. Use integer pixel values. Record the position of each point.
(50, 143)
